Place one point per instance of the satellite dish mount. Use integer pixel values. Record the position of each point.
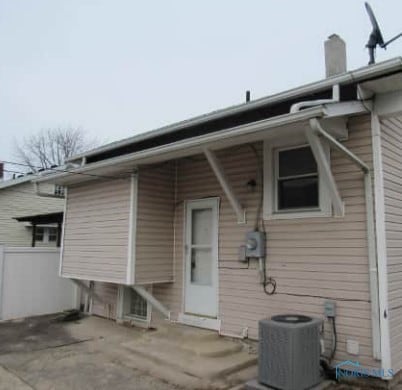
(376, 38)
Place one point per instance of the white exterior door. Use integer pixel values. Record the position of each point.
(201, 257)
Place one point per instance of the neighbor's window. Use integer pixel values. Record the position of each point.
(39, 234)
(52, 234)
(46, 234)
(58, 190)
(297, 184)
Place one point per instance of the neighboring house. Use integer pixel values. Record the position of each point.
(27, 219)
(318, 168)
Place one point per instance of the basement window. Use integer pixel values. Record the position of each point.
(133, 307)
(138, 306)
(292, 184)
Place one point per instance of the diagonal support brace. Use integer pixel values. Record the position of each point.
(325, 171)
(226, 186)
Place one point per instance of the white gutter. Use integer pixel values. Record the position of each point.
(194, 143)
(312, 103)
(370, 224)
(363, 73)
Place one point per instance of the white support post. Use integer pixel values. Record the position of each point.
(325, 171)
(371, 235)
(88, 290)
(226, 186)
(152, 300)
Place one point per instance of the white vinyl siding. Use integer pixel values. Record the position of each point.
(96, 231)
(96, 235)
(19, 201)
(315, 257)
(391, 143)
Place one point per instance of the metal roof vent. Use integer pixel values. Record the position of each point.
(289, 352)
(335, 55)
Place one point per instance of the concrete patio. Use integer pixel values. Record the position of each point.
(95, 353)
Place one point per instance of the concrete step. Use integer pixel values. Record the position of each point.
(201, 346)
(183, 332)
(212, 348)
(187, 361)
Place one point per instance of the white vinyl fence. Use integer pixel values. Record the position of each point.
(30, 284)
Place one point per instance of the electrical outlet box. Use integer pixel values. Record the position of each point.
(255, 244)
(330, 309)
(352, 347)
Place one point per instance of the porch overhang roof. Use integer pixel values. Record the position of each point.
(40, 219)
(279, 126)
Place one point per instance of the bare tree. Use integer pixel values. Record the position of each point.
(51, 147)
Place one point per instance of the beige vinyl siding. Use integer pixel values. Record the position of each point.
(96, 231)
(18, 201)
(154, 227)
(391, 144)
(108, 306)
(311, 259)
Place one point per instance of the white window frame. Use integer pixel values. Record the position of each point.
(124, 295)
(59, 190)
(271, 168)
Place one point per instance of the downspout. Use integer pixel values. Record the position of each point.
(312, 103)
(370, 225)
(381, 243)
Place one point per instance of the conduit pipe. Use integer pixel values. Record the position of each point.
(312, 103)
(372, 257)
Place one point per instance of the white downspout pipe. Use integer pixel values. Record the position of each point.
(386, 360)
(370, 224)
(312, 103)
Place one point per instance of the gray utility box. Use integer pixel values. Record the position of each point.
(289, 352)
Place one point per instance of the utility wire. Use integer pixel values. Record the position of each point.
(63, 171)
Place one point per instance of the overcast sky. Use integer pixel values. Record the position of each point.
(121, 67)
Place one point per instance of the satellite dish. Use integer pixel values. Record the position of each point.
(376, 37)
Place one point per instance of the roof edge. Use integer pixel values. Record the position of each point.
(201, 140)
(359, 74)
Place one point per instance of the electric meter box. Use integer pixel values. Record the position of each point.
(255, 244)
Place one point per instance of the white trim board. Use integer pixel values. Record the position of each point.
(63, 228)
(199, 322)
(379, 201)
(132, 231)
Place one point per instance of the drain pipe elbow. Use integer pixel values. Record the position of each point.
(312, 103)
